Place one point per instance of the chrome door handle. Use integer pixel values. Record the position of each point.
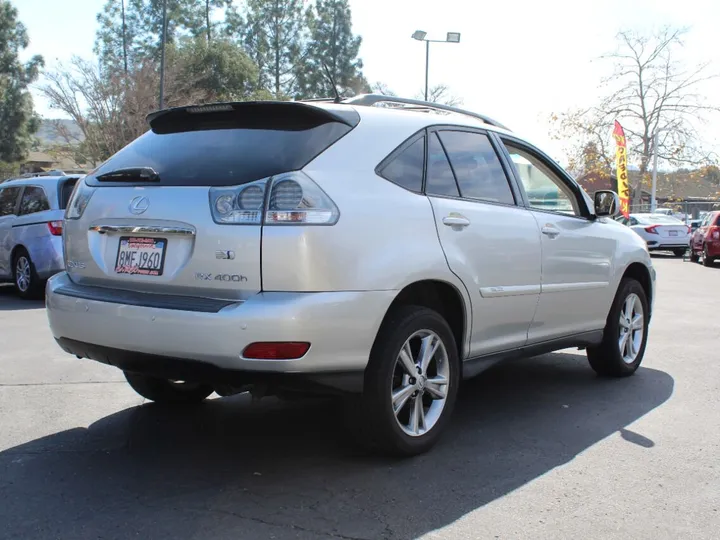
(552, 232)
(456, 221)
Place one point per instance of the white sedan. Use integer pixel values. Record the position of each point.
(660, 232)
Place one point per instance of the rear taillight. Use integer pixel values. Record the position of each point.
(689, 229)
(714, 232)
(79, 200)
(652, 229)
(276, 350)
(293, 198)
(55, 228)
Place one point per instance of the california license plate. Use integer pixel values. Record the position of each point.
(673, 233)
(140, 255)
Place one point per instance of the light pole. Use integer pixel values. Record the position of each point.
(420, 35)
(162, 55)
(653, 190)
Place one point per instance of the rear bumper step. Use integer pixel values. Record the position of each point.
(191, 370)
(132, 298)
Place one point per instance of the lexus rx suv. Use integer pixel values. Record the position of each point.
(378, 253)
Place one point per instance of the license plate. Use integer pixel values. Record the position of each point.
(673, 233)
(141, 256)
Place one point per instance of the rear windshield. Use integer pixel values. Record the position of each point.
(66, 190)
(224, 157)
(658, 219)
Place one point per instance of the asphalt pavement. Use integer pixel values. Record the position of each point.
(538, 448)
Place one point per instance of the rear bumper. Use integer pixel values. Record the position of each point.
(713, 248)
(667, 243)
(340, 326)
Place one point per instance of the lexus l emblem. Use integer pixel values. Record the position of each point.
(139, 204)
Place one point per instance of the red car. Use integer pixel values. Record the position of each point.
(706, 240)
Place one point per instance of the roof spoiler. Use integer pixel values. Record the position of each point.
(250, 115)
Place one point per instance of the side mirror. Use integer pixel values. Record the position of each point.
(607, 203)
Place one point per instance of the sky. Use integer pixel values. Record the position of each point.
(517, 61)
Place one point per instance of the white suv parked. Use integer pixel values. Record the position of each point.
(376, 252)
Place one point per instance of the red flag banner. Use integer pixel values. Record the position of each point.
(621, 166)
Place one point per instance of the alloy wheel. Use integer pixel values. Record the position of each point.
(22, 273)
(420, 383)
(632, 327)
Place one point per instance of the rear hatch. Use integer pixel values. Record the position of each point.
(180, 210)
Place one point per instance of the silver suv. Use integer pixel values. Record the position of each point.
(379, 253)
(31, 214)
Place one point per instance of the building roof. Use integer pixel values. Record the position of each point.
(39, 157)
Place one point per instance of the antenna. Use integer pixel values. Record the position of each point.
(337, 99)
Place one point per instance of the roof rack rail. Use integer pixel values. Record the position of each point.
(371, 99)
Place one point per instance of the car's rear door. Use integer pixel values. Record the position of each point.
(179, 211)
(577, 251)
(9, 199)
(489, 241)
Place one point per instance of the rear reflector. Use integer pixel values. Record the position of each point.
(55, 228)
(276, 350)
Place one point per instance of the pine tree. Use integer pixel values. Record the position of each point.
(331, 44)
(272, 34)
(142, 30)
(17, 119)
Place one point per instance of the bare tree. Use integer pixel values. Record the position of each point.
(654, 97)
(110, 109)
(440, 93)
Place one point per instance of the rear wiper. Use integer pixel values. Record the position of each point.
(130, 174)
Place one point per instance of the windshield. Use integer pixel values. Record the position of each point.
(657, 219)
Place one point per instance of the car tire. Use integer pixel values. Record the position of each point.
(679, 252)
(707, 260)
(694, 257)
(390, 416)
(27, 283)
(617, 356)
(165, 391)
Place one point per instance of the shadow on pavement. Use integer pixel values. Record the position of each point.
(229, 469)
(10, 301)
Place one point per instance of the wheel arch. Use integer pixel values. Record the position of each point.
(443, 297)
(16, 250)
(640, 273)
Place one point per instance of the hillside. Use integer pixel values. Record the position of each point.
(48, 135)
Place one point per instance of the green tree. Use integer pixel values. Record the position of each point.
(332, 44)
(271, 31)
(142, 28)
(17, 119)
(222, 68)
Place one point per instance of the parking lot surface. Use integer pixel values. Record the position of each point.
(539, 448)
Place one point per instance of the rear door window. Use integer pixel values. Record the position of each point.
(33, 200)
(477, 167)
(406, 168)
(440, 177)
(8, 200)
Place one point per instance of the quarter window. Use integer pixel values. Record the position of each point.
(544, 190)
(406, 168)
(477, 168)
(8, 200)
(33, 200)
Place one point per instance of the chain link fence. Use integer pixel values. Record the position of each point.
(686, 211)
